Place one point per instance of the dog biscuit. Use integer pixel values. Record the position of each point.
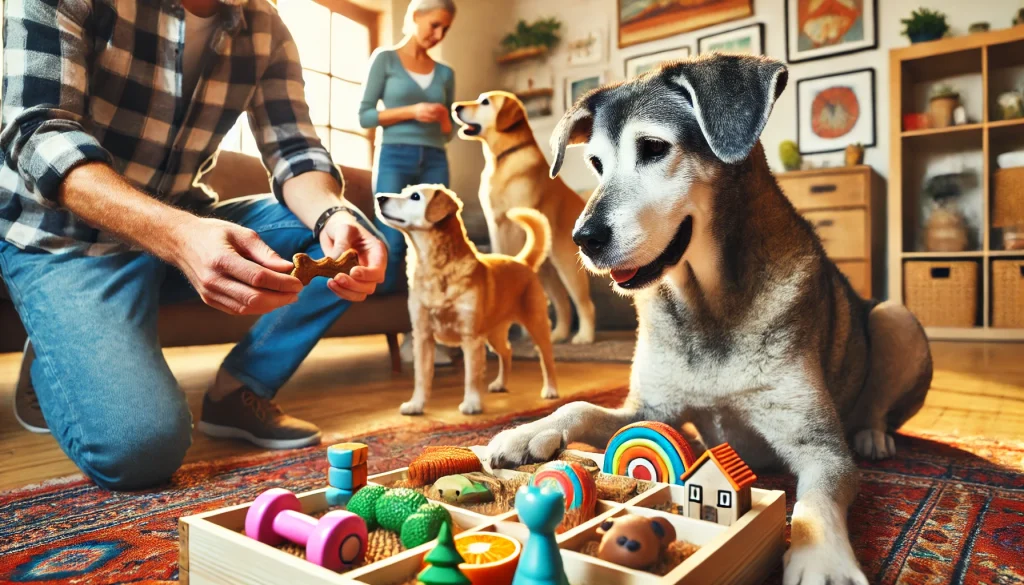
(306, 269)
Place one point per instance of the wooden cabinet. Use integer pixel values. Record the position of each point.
(846, 206)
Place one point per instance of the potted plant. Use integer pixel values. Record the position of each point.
(925, 24)
(943, 101)
(946, 228)
(789, 154)
(531, 39)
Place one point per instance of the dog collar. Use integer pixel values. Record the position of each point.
(509, 151)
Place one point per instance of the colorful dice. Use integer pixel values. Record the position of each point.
(347, 472)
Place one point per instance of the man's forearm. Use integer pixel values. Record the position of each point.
(99, 195)
(310, 194)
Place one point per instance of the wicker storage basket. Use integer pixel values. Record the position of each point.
(942, 294)
(1008, 293)
(1008, 204)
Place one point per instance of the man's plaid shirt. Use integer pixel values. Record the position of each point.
(100, 80)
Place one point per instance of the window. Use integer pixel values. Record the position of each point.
(724, 499)
(335, 39)
(696, 493)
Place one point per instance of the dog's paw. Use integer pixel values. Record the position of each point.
(583, 338)
(497, 386)
(522, 445)
(822, 564)
(471, 405)
(872, 444)
(549, 392)
(413, 407)
(560, 335)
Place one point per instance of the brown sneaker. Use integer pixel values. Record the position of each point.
(26, 404)
(245, 415)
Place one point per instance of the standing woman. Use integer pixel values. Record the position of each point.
(417, 93)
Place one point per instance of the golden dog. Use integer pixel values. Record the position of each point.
(516, 175)
(460, 297)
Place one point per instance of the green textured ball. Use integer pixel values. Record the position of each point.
(396, 505)
(364, 504)
(424, 525)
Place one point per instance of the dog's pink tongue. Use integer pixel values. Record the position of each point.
(621, 276)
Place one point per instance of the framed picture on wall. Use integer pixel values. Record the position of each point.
(748, 40)
(646, 20)
(578, 84)
(825, 28)
(834, 111)
(643, 63)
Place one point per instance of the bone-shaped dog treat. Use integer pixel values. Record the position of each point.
(306, 269)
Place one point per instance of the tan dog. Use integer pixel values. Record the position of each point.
(460, 297)
(516, 175)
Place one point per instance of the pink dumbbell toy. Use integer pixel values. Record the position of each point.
(336, 541)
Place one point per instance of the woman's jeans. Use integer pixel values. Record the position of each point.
(398, 166)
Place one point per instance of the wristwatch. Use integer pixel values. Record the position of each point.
(326, 215)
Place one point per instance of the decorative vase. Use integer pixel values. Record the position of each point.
(924, 37)
(940, 111)
(854, 155)
(1013, 237)
(946, 231)
(1011, 105)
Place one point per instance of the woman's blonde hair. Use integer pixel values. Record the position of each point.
(415, 6)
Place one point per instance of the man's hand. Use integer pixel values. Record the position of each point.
(232, 269)
(342, 232)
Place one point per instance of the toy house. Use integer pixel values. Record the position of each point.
(718, 492)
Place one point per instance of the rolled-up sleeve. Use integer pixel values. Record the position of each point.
(279, 118)
(45, 86)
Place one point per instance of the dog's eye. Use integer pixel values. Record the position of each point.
(485, 102)
(415, 197)
(596, 163)
(652, 149)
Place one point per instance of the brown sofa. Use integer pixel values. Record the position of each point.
(194, 323)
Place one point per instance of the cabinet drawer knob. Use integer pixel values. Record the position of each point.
(824, 223)
(818, 189)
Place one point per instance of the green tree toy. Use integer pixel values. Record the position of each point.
(443, 562)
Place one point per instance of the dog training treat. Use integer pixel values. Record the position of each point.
(306, 269)
(437, 462)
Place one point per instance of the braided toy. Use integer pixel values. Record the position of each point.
(437, 462)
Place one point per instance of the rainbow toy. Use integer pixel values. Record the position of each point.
(651, 451)
(572, 480)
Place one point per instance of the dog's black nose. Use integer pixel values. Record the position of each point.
(592, 237)
(382, 200)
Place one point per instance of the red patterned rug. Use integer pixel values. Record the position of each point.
(945, 510)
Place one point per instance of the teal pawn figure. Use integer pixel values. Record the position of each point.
(541, 509)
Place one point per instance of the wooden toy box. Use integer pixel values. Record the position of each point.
(213, 549)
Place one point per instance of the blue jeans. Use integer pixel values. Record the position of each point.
(398, 166)
(103, 384)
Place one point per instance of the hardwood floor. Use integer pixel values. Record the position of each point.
(346, 386)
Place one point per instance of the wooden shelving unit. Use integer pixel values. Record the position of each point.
(523, 54)
(529, 94)
(986, 65)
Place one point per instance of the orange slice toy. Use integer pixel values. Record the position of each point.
(491, 558)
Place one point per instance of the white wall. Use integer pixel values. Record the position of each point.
(782, 125)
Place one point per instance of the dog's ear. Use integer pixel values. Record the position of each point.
(441, 205)
(732, 96)
(510, 114)
(574, 128)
